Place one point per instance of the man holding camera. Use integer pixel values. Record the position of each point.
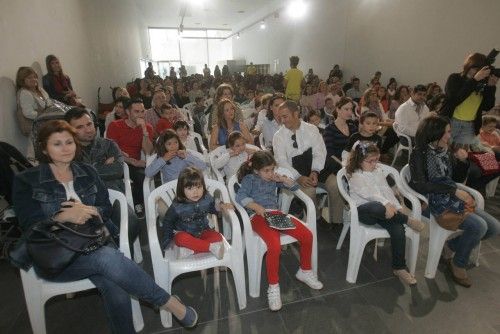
(468, 94)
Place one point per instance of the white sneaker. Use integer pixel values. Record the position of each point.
(184, 252)
(217, 249)
(308, 277)
(274, 297)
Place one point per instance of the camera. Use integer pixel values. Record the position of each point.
(490, 59)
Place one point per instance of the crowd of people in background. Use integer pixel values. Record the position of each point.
(309, 125)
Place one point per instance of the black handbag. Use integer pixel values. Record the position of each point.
(52, 246)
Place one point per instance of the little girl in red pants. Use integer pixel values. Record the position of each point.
(257, 194)
(186, 219)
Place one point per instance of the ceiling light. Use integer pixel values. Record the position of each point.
(238, 36)
(296, 8)
(262, 25)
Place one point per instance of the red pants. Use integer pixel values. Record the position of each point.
(199, 245)
(271, 237)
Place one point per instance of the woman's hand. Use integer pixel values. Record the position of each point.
(465, 197)
(75, 212)
(482, 73)
(461, 154)
(232, 152)
(182, 154)
(390, 211)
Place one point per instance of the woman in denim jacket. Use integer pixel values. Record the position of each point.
(45, 191)
(434, 171)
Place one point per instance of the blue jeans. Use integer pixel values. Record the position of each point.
(372, 213)
(116, 277)
(476, 226)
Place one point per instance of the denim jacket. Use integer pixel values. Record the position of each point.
(188, 217)
(37, 195)
(255, 189)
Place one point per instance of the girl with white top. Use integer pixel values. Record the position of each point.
(235, 154)
(377, 204)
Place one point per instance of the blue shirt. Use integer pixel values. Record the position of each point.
(223, 134)
(171, 169)
(255, 189)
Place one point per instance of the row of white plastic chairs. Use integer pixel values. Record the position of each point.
(167, 266)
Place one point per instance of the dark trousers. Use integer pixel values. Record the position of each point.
(133, 223)
(372, 213)
(391, 139)
(137, 177)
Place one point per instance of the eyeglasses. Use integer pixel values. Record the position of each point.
(294, 138)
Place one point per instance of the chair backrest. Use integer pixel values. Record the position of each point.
(198, 137)
(409, 143)
(405, 180)
(219, 173)
(262, 142)
(128, 185)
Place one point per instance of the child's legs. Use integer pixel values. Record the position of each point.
(272, 239)
(184, 239)
(305, 239)
(211, 236)
(374, 213)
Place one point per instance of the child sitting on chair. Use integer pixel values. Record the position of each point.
(258, 195)
(186, 219)
(377, 203)
(172, 157)
(235, 154)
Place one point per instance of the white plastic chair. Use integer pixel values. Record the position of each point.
(262, 142)
(130, 201)
(256, 248)
(361, 234)
(167, 268)
(204, 150)
(401, 146)
(37, 290)
(437, 234)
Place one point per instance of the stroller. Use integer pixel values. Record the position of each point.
(11, 163)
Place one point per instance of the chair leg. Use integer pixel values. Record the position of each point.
(412, 253)
(137, 251)
(238, 270)
(345, 228)
(35, 303)
(254, 273)
(396, 154)
(137, 315)
(436, 243)
(356, 249)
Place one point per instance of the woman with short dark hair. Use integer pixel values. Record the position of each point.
(434, 171)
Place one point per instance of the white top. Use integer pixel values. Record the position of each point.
(191, 144)
(367, 187)
(31, 103)
(228, 164)
(307, 136)
(269, 128)
(260, 119)
(407, 118)
(70, 191)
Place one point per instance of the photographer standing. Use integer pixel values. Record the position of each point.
(468, 94)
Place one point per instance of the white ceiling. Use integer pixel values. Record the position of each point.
(222, 14)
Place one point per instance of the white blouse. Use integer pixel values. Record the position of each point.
(367, 187)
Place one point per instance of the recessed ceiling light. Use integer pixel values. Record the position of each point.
(224, 24)
(241, 11)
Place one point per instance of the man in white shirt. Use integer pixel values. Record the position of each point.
(299, 147)
(411, 112)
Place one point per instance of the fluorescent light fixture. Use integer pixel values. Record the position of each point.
(262, 25)
(296, 8)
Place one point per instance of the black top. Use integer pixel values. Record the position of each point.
(358, 136)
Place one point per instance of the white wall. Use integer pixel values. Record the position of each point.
(30, 30)
(414, 41)
(418, 41)
(318, 39)
(98, 42)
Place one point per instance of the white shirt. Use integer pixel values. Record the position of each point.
(367, 187)
(228, 164)
(307, 136)
(260, 119)
(269, 128)
(407, 119)
(31, 104)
